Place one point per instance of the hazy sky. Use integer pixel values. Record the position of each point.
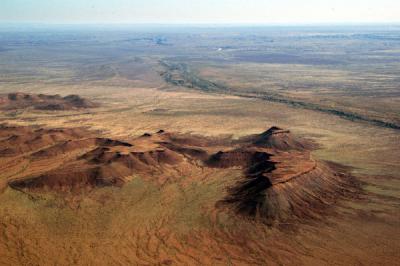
(199, 11)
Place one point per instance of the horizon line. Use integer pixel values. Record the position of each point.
(183, 24)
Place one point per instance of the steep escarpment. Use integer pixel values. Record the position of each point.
(89, 161)
(280, 181)
(279, 139)
(288, 188)
(16, 141)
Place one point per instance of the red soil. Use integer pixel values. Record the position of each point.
(281, 180)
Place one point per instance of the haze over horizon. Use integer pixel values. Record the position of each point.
(195, 12)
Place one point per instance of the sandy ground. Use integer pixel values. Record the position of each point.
(145, 225)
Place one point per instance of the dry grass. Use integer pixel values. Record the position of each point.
(143, 224)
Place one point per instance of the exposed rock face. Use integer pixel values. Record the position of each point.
(281, 181)
(285, 188)
(279, 139)
(102, 161)
(20, 100)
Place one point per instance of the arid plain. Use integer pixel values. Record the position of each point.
(185, 115)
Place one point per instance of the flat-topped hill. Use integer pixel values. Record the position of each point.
(21, 100)
(280, 179)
